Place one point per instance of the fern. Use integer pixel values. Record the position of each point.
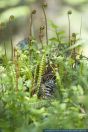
(32, 90)
(41, 70)
(40, 104)
(59, 83)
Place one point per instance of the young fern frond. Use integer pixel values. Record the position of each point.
(44, 5)
(59, 82)
(61, 69)
(69, 13)
(41, 70)
(32, 90)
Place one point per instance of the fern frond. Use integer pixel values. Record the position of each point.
(41, 70)
(32, 90)
(59, 82)
(40, 104)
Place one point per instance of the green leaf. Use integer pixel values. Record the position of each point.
(60, 32)
(53, 25)
(53, 39)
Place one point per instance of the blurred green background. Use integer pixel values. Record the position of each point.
(56, 11)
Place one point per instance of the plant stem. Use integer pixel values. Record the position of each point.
(69, 30)
(40, 37)
(30, 36)
(11, 39)
(30, 29)
(45, 24)
(16, 67)
(5, 48)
